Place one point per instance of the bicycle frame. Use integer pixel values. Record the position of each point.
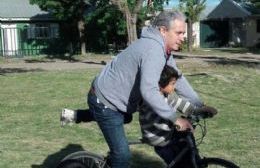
(184, 145)
(185, 140)
(190, 147)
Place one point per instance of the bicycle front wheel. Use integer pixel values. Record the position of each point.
(216, 162)
(88, 159)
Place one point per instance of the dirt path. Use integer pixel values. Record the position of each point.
(182, 59)
(35, 65)
(57, 65)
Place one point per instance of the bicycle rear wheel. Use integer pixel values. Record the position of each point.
(90, 160)
(216, 162)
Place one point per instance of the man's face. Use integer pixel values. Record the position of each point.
(174, 36)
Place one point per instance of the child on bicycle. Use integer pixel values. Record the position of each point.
(158, 132)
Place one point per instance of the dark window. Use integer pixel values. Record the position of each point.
(42, 31)
(258, 25)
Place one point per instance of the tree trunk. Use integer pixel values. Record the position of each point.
(189, 35)
(131, 26)
(81, 29)
(131, 17)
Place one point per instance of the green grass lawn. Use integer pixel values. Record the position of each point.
(30, 105)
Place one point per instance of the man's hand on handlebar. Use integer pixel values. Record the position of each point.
(183, 124)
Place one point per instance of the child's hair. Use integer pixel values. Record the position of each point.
(168, 73)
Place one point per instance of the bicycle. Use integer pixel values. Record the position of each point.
(86, 159)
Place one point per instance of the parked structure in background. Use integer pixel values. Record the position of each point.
(231, 24)
(27, 30)
(228, 24)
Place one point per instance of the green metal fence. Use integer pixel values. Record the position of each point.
(27, 41)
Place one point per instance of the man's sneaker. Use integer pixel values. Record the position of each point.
(67, 117)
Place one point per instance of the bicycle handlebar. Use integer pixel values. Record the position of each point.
(195, 119)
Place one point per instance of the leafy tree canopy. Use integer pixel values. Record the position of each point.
(63, 9)
(256, 3)
(192, 8)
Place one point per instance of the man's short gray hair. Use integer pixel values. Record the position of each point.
(166, 17)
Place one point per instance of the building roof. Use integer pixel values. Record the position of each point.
(208, 9)
(232, 9)
(22, 10)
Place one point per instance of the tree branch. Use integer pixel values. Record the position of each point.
(138, 6)
(121, 4)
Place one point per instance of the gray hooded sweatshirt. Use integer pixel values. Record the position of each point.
(134, 74)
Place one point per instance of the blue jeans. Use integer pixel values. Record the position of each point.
(111, 124)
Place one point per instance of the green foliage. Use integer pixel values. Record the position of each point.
(184, 45)
(105, 24)
(141, 18)
(131, 4)
(65, 9)
(192, 8)
(256, 3)
(157, 5)
(106, 27)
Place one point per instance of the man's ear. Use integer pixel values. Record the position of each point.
(163, 30)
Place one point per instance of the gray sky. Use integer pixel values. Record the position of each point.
(173, 3)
